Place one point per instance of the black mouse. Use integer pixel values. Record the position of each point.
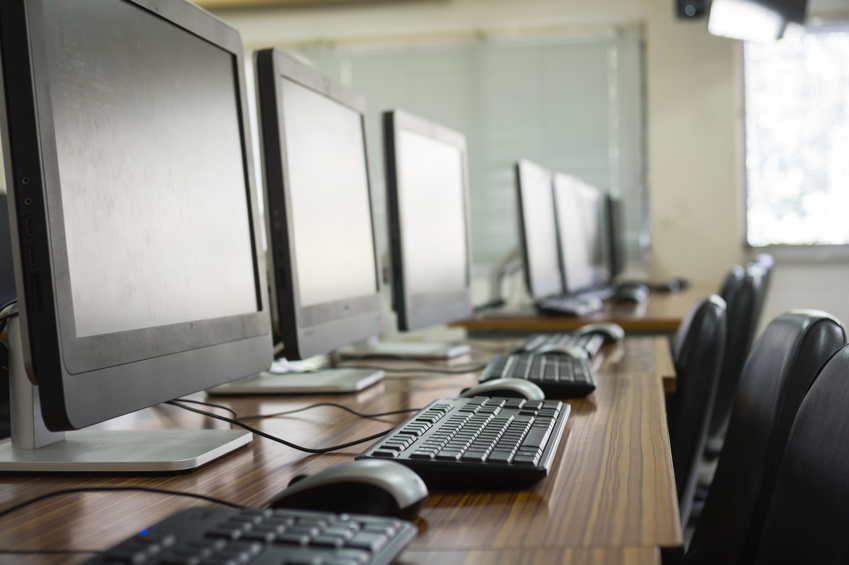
(371, 486)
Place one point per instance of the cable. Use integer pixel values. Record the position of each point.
(333, 405)
(50, 551)
(277, 439)
(63, 492)
(211, 405)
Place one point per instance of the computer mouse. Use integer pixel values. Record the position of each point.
(672, 285)
(636, 293)
(505, 388)
(610, 331)
(370, 486)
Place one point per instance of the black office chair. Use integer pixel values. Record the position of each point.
(697, 352)
(741, 322)
(731, 283)
(778, 372)
(808, 516)
(765, 262)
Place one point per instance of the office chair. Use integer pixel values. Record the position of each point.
(697, 351)
(731, 283)
(778, 372)
(808, 515)
(741, 322)
(765, 262)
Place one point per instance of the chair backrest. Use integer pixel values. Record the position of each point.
(741, 321)
(809, 513)
(697, 352)
(780, 369)
(765, 262)
(731, 283)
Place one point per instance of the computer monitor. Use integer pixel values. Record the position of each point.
(616, 254)
(428, 203)
(594, 222)
(576, 252)
(325, 271)
(538, 230)
(137, 255)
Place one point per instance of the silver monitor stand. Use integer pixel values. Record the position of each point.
(34, 448)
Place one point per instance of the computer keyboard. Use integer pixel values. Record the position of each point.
(226, 535)
(478, 442)
(558, 375)
(570, 305)
(536, 343)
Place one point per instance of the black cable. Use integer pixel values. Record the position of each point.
(277, 439)
(211, 405)
(63, 492)
(333, 405)
(50, 551)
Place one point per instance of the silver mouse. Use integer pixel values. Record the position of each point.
(369, 486)
(610, 331)
(506, 388)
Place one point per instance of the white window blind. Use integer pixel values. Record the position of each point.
(570, 103)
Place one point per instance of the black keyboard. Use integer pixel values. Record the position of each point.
(478, 442)
(226, 535)
(536, 343)
(570, 305)
(559, 376)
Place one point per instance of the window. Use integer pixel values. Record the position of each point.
(572, 103)
(797, 139)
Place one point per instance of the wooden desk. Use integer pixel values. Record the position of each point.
(609, 499)
(660, 314)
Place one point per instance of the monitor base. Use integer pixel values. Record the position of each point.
(411, 350)
(341, 380)
(35, 449)
(119, 451)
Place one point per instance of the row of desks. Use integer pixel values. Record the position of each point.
(609, 499)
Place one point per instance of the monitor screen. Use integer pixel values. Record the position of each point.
(538, 230)
(427, 194)
(593, 222)
(130, 171)
(322, 240)
(575, 249)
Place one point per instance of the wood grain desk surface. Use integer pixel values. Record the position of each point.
(609, 499)
(660, 314)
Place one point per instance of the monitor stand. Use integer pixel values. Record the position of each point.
(412, 350)
(34, 448)
(323, 381)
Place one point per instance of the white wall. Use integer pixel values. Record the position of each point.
(692, 110)
(382, 21)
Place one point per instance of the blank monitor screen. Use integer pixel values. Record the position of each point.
(575, 249)
(321, 230)
(538, 230)
(329, 191)
(591, 214)
(133, 232)
(428, 211)
(137, 250)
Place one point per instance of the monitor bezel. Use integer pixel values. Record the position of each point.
(616, 247)
(435, 308)
(85, 380)
(531, 274)
(306, 330)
